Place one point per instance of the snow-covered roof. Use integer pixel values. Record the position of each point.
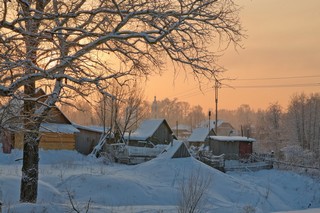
(171, 149)
(59, 128)
(99, 129)
(182, 127)
(146, 129)
(199, 134)
(212, 123)
(232, 138)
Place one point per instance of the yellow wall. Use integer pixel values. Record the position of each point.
(50, 140)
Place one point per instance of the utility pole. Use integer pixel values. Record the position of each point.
(216, 87)
(209, 119)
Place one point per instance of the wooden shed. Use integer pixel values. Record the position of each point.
(156, 131)
(234, 147)
(182, 131)
(88, 137)
(223, 128)
(200, 136)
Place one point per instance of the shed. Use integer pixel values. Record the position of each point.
(156, 131)
(234, 147)
(88, 137)
(223, 128)
(182, 131)
(200, 136)
(177, 149)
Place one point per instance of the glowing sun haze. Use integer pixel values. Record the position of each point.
(281, 57)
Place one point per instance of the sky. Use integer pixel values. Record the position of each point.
(280, 57)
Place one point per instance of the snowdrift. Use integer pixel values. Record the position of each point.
(67, 177)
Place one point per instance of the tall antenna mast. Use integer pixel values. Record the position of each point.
(216, 87)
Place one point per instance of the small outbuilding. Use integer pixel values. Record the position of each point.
(88, 137)
(177, 149)
(234, 147)
(200, 136)
(156, 131)
(223, 128)
(182, 131)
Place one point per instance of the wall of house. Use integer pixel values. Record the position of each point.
(86, 141)
(50, 140)
(224, 129)
(230, 149)
(182, 152)
(56, 116)
(162, 135)
(245, 149)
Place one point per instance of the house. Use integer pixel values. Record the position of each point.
(155, 131)
(182, 131)
(200, 136)
(177, 149)
(145, 143)
(223, 128)
(56, 131)
(88, 137)
(234, 147)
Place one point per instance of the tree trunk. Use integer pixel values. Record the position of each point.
(30, 168)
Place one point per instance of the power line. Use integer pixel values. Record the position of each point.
(275, 86)
(188, 94)
(196, 91)
(279, 78)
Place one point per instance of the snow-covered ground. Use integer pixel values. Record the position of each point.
(153, 186)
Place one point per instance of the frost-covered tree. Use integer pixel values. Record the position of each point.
(303, 118)
(80, 45)
(273, 122)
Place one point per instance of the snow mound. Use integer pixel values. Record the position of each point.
(153, 186)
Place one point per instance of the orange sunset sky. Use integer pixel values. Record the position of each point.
(281, 57)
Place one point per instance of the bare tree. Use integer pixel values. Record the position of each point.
(244, 114)
(273, 122)
(79, 45)
(193, 191)
(303, 117)
(124, 110)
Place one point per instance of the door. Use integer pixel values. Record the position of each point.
(245, 149)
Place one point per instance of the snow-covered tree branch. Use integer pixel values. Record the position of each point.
(81, 46)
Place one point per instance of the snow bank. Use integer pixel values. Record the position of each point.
(153, 186)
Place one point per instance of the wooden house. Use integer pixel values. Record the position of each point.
(56, 131)
(155, 131)
(182, 132)
(200, 136)
(223, 128)
(234, 147)
(177, 149)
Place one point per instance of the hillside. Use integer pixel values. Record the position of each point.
(155, 186)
